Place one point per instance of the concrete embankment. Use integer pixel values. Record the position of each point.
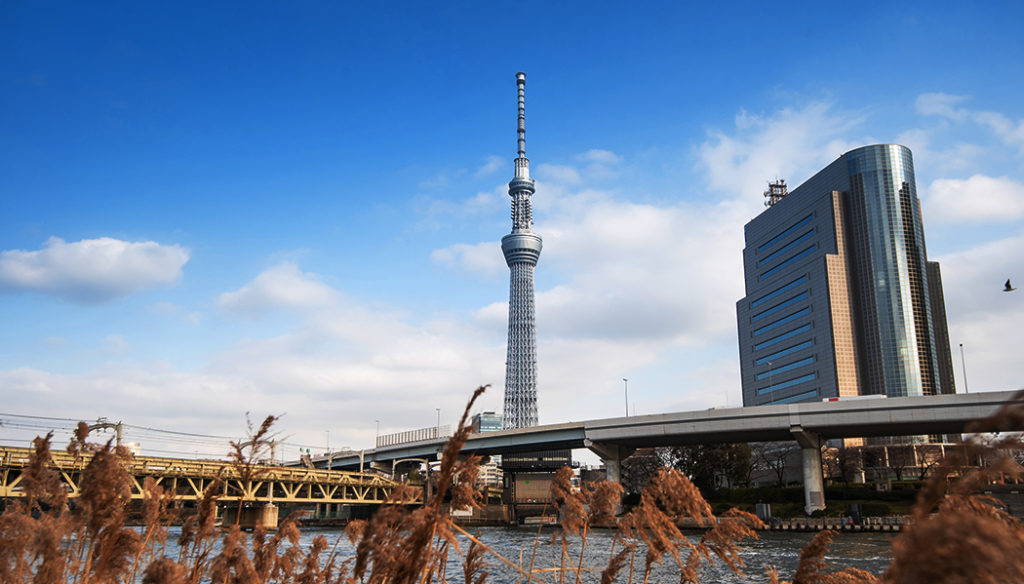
(891, 524)
(885, 524)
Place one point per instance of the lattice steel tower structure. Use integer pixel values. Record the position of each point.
(522, 250)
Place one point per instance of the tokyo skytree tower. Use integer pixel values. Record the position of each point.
(522, 250)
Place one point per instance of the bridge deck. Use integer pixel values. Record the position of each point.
(905, 416)
(188, 479)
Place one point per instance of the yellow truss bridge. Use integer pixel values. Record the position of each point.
(188, 479)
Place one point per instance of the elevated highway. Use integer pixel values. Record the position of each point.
(810, 424)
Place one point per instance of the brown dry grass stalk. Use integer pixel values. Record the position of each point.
(245, 455)
(957, 534)
(668, 497)
(397, 546)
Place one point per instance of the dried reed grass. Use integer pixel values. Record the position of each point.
(957, 534)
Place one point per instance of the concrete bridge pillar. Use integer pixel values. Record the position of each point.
(386, 466)
(262, 515)
(612, 455)
(814, 481)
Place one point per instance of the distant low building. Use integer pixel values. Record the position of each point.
(485, 422)
(490, 471)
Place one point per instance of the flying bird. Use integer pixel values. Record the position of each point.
(1008, 287)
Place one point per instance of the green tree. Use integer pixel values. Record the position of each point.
(710, 466)
(643, 464)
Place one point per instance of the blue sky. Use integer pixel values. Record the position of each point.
(295, 208)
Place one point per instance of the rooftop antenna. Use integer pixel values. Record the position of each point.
(521, 85)
(775, 193)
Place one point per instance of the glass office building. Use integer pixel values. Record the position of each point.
(485, 422)
(841, 298)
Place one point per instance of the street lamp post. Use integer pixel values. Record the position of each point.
(438, 429)
(330, 459)
(771, 390)
(963, 363)
(625, 389)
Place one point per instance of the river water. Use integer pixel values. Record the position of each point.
(867, 551)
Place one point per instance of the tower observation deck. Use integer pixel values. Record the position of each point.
(522, 250)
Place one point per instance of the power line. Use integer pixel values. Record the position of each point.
(178, 433)
(73, 420)
(135, 432)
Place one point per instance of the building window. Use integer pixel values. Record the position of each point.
(801, 254)
(788, 383)
(780, 306)
(798, 397)
(784, 352)
(773, 372)
(782, 321)
(784, 234)
(782, 337)
(777, 291)
(784, 248)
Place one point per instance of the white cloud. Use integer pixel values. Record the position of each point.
(438, 181)
(624, 273)
(944, 105)
(91, 270)
(438, 214)
(790, 144)
(976, 199)
(941, 104)
(973, 279)
(340, 366)
(599, 164)
(944, 156)
(343, 362)
(282, 286)
(481, 258)
(177, 311)
(481, 203)
(115, 345)
(1012, 132)
(493, 164)
(988, 321)
(599, 156)
(559, 173)
(628, 270)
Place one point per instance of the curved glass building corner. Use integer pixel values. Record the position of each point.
(891, 265)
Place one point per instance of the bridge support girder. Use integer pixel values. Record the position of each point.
(612, 455)
(814, 481)
(385, 466)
